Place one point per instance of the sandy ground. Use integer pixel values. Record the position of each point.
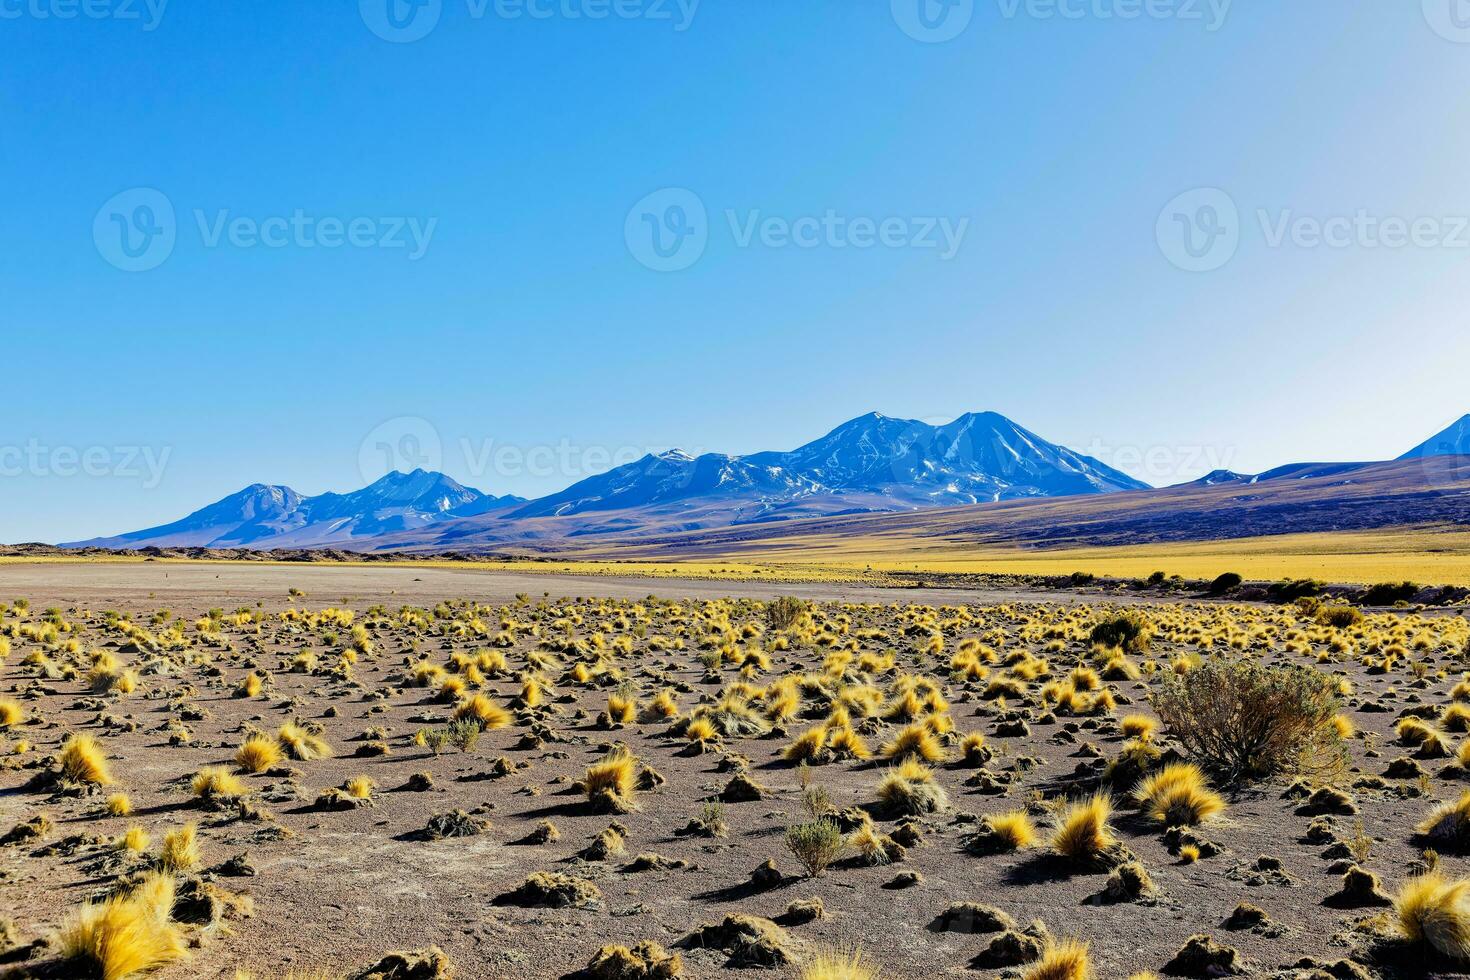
(224, 582)
(339, 888)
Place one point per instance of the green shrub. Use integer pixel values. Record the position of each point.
(1129, 631)
(786, 612)
(1245, 721)
(815, 845)
(1389, 594)
(1227, 582)
(1290, 590)
(1340, 617)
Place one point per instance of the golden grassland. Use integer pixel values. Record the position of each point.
(1429, 555)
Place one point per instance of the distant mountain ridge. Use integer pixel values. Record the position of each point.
(977, 457)
(869, 465)
(265, 516)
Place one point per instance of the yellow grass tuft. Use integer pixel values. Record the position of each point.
(134, 839)
(610, 784)
(216, 781)
(915, 742)
(82, 761)
(11, 713)
(1141, 727)
(839, 965)
(1083, 833)
(1067, 959)
(1178, 794)
(1015, 829)
(301, 744)
(118, 805)
(181, 849)
(1432, 909)
(359, 787)
(257, 754)
(126, 935)
(485, 712)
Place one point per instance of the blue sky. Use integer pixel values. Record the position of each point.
(520, 343)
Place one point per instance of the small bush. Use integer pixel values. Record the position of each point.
(1389, 593)
(786, 612)
(1340, 617)
(1290, 590)
(1129, 631)
(815, 845)
(1227, 582)
(1245, 721)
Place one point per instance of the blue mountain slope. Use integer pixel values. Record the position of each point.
(889, 463)
(262, 516)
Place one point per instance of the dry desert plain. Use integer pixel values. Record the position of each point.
(283, 769)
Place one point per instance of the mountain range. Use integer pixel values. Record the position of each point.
(869, 465)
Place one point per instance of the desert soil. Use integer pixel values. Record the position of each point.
(339, 888)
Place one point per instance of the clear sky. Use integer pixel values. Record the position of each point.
(444, 243)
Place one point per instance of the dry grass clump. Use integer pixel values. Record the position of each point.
(181, 849)
(302, 744)
(118, 805)
(126, 935)
(483, 711)
(1178, 795)
(1083, 832)
(915, 742)
(909, 788)
(214, 782)
(1432, 909)
(611, 784)
(829, 964)
(11, 713)
(257, 754)
(1449, 824)
(1141, 727)
(83, 761)
(1067, 959)
(134, 839)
